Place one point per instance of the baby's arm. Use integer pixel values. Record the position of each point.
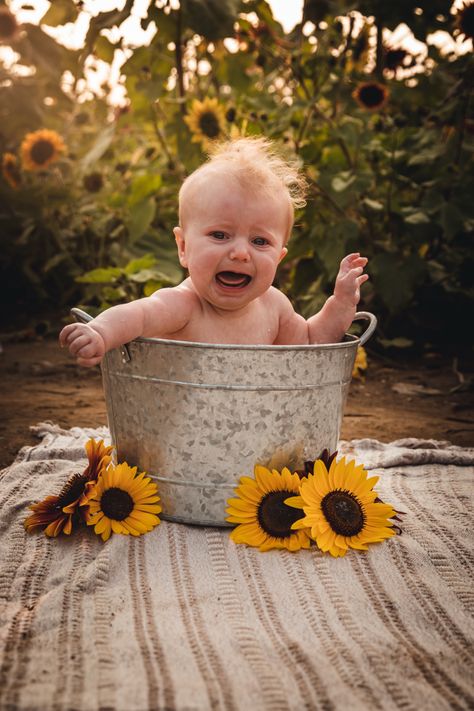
(164, 312)
(331, 323)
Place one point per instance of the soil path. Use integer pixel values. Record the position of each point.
(39, 381)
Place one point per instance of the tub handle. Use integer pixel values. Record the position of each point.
(362, 316)
(83, 317)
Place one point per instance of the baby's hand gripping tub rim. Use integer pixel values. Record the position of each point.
(83, 317)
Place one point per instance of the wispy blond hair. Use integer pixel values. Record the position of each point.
(256, 164)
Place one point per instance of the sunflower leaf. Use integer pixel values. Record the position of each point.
(214, 19)
(60, 12)
(141, 217)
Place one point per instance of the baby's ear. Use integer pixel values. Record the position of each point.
(283, 254)
(180, 243)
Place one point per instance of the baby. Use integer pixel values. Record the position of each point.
(235, 218)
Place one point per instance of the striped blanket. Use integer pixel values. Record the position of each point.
(184, 619)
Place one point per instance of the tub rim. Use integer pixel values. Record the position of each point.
(348, 342)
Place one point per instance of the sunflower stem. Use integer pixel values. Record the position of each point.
(179, 58)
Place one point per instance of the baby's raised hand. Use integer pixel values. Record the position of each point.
(350, 278)
(86, 344)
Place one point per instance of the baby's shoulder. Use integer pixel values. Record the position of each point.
(182, 294)
(276, 299)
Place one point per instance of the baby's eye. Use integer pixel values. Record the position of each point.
(218, 235)
(260, 241)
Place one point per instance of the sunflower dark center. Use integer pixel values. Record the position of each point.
(209, 124)
(371, 95)
(93, 182)
(41, 151)
(343, 513)
(275, 517)
(72, 490)
(116, 503)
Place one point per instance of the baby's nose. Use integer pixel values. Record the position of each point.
(240, 250)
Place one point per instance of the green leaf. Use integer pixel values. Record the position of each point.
(451, 220)
(151, 286)
(143, 276)
(342, 181)
(417, 218)
(214, 19)
(102, 21)
(373, 204)
(396, 277)
(106, 275)
(142, 187)
(60, 12)
(141, 217)
(428, 156)
(104, 49)
(137, 265)
(113, 294)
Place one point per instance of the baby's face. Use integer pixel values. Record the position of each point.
(232, 241)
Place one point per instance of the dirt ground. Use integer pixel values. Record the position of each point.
(430, 397)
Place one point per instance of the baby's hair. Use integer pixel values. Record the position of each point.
(257, 159)
(256, 164)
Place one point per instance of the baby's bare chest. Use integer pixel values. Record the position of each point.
(253, 328)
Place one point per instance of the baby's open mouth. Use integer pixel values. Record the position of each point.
(233, 279)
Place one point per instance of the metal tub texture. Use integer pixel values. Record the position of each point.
(199, 416)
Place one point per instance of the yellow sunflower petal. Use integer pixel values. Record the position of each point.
(55, 527)
(133, 530)
(248, 493)
(147, 499)
(297, 502)
(300, 524)
(106, 532)
(118, 527)
(102, 525)
(68, 526)
(264, 478)
(147, 518)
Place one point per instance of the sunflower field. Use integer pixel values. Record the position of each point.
(382, 127)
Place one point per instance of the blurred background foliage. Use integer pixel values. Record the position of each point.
(385, 136)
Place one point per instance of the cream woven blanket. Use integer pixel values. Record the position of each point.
(184, 619)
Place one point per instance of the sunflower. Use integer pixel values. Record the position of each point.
(58, 513)
(93, 182)
(260, 510)
(371, 95)
(10, 170)
(360, 364)
(9, 29)
(122, 502)
(206, 121)
(41, 148)
(341, 509)
(465, 21)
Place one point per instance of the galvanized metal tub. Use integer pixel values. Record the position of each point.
(199, 416)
